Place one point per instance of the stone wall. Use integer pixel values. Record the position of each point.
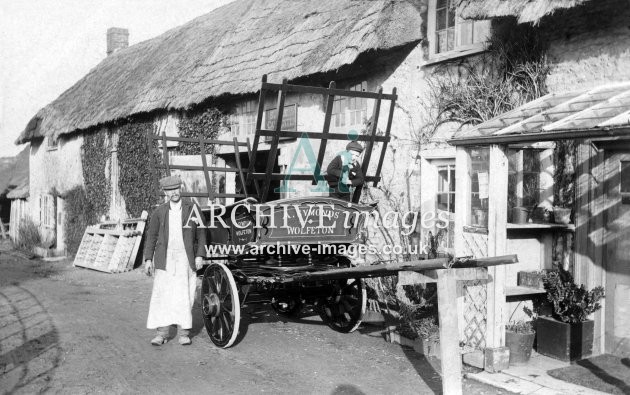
(589, 45)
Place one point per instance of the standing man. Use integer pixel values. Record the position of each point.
(344, 172)
(173, 251)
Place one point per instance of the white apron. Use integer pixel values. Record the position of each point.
(174, 288)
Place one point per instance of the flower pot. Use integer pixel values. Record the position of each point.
(520, 345)
(562, 215)
(564, 341)
(520, 215)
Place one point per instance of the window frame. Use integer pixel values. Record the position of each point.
(51, 143)
(350, 111)
(459, 49)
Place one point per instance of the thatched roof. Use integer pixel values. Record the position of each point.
(226, 52)
(524, 10)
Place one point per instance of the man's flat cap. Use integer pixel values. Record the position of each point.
(170, 182)
(354, 146)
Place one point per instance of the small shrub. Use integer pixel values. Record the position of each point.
(523, 327)
(28, 236)
(418, 321)
(571, 303)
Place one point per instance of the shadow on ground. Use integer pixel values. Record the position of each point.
(29, 341)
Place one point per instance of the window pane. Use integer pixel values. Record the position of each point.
(452, 186)
(443, 180)
(441, 41)
(442, 201)
(440, 20)
(451, 17)
(441, 3)
(530, 189)
(465, 30)
(530, 161)
(450, 45)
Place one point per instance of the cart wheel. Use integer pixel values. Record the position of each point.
(344, 309)
(287, 308)
(220, 305)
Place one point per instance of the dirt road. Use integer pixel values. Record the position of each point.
(70, 330)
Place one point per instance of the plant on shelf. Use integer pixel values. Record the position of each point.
(568, 333)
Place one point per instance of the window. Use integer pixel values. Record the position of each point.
(446, 201)
(350, 111)
(446, 188)
(452, 36)
(524, 188)
(243, 122)
(52, 143)
(47, 211)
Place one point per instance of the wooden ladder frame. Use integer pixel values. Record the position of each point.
(330, 93)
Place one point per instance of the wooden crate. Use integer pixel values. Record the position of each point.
(111, 247)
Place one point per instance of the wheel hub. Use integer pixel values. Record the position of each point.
(211, 305)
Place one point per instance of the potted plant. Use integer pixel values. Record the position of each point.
(568, 334)
(561, 215)
(519, 338)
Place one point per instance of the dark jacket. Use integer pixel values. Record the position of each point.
(156, 242)
(336, 169)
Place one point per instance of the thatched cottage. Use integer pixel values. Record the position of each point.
(217, 60)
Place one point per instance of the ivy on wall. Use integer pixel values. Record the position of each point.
(94, 159)
(137, 182)
(79, 215)
(205, 124)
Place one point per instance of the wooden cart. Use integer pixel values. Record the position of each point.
(294, 269)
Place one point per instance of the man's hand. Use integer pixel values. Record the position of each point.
(198, 262)
(148, 267)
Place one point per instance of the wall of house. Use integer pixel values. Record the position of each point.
(54, 169)
(589, 45)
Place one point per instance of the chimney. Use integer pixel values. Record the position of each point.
(117, 38)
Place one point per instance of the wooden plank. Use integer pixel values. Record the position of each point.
(319, 135)
(370, 144)
(450, 357)
(330, 101)
(597, 273)
(239, 166)
(256, 185)
(204, 163)
(497, 244)
(136, 246)
(195, 140)
(273, 151)
(200, 168)
(392, 269)
(392, 106)
(254, 150)
(582, 211)
(323, 91)
(430, 276)
(462, 198)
